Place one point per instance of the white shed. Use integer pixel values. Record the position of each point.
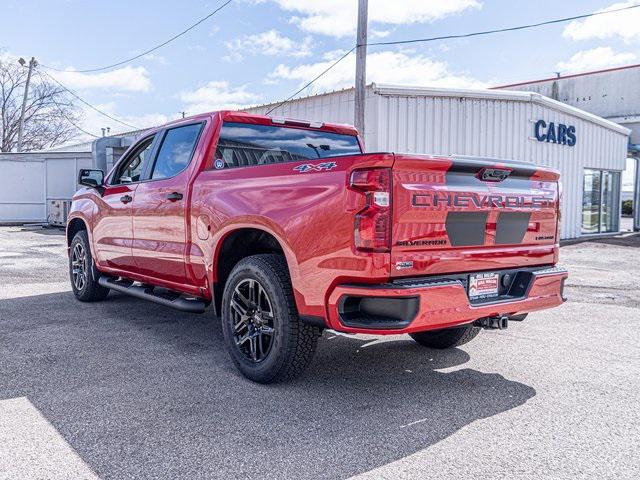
(589, 151)
(36, 183)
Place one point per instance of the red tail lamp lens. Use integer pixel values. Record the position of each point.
(372, 226)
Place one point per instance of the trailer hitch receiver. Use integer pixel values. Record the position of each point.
(499, 322)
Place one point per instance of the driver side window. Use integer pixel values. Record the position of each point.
(131, 170)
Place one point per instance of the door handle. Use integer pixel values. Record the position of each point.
(174, 196)
(126, 198)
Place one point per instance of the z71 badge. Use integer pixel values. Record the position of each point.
(315, 167)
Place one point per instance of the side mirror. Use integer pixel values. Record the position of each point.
(91, 178)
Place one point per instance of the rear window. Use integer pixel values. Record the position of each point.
(243, 145)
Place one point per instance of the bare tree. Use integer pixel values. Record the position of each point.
(50, 116)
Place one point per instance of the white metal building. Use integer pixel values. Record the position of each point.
(38, 186)
(491, 123)
(612, 94)
(35, 186)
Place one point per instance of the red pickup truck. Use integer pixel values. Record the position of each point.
(285, 227)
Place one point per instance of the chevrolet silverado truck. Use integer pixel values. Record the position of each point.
(284, 228)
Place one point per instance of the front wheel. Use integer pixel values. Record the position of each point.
(262, 330)
(447, 338)
(82, 271)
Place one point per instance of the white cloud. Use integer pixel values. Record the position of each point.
(217, 95)
(93, 121)
(595, 59)
(337, 18)
(382, 67)
(152, 57)
(380, 33)
(270, 43)
(622, 24)
(126, 79)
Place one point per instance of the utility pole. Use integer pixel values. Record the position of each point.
(361, 65)
(32, 64)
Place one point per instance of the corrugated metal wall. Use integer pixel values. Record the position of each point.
(608, 93)
(467, 125)
(29, 180)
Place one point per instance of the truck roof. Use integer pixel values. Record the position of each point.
(251, 118)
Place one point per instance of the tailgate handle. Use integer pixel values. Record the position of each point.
(490, 174)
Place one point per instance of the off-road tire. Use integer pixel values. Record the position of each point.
(447, 338)
(294, 342)
(89, 290)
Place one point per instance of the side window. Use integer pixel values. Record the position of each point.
(176, 151)
(131, 169)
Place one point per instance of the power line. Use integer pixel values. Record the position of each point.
(146, 52)
(500, 30)
(77, 127)
(88, 104)
(312, 81)
(447, 37)
(64, 115)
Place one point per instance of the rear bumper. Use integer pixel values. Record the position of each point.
(433, 303)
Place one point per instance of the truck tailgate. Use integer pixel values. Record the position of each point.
(459, 214)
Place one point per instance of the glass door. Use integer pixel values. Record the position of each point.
(591, 202)
(610, 212)
(600, 202)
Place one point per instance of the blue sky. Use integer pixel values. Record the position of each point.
(258, 51)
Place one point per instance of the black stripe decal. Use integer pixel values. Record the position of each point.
(511, 227)
(475, 164)
(463, 173)
(466, 228)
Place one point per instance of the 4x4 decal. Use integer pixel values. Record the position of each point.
(318, 167)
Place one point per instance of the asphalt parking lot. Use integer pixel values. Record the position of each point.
(129, 389)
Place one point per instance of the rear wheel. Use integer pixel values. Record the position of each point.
(262, 330)
(82, 271)
(447, 338)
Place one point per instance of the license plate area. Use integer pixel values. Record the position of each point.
(484, 286)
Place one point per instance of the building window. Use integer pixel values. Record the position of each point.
(600, 201)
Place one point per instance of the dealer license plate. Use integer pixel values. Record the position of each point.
(483, 285)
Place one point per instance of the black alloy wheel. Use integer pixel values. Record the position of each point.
(252, 314)
(82, 271)
(79, 266)
(262, 329)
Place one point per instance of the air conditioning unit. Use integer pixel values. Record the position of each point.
(57, 212)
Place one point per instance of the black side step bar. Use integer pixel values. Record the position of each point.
(168, 299)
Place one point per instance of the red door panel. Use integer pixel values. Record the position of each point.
(159, 224)
(113, 228)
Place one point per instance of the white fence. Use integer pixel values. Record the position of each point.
(29, 180)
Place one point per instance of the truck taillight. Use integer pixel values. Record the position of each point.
(372, 227)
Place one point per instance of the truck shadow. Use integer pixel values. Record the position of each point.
(139, 390)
